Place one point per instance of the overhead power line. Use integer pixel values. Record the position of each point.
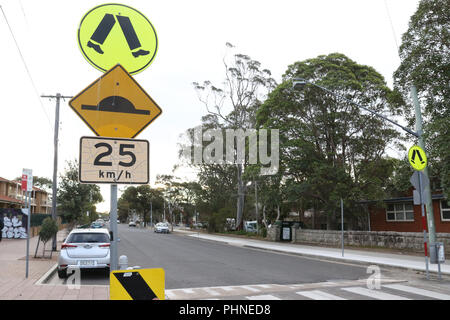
(26, 68)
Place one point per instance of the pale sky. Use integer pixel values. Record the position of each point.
(192, 36)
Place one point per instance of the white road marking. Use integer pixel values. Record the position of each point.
(376, 294)
(264, 286)
(170, 294)
(319, 295)
(263, 297)
(190, 291)
(421, 292)
(227, 288)
(250, 288)
(211, 292)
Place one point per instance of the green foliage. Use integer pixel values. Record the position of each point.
(217, 221)
(36, 219)
(140, 198)
(329, 147)
(48, 229)
(425, 63)
(76, 199)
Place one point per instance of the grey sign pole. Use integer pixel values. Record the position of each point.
(423, 219)
(342, 225)
(113, 229)
(27, 201)
(419, 198)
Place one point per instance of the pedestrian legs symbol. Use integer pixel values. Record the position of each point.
(104, 28)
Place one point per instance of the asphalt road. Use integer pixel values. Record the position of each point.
(189, 262)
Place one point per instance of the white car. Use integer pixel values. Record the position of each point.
(162, 227)
(84, 249)
(132, 224)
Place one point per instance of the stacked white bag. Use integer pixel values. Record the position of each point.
(13, 229)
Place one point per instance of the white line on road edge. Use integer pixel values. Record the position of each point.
(420, 292)
(319, 295)
(376, 294)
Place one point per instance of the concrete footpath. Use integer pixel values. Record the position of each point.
(365, 257)
(15, 286)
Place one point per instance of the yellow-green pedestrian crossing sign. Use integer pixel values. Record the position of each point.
(417, 158)
(115, 33)
(137, 284)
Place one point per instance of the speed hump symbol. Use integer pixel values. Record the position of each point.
(115, 33)
(417, 158)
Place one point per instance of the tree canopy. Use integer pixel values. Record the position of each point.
(425, 63)
(76, 199)
(330, 148)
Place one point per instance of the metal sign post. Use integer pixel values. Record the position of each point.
(27, 186)
(419, 198)
(27, 201)
(342, 225)
(113, 228)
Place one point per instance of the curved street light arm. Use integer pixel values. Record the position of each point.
(302, 82)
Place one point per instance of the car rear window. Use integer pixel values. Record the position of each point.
(87, 237)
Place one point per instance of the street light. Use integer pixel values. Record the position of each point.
(300, 83)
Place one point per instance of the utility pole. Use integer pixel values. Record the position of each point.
(421, 142)
(256, 207)
(55, 158)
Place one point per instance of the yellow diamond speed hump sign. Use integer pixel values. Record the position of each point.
(137, 284)
(115, 105)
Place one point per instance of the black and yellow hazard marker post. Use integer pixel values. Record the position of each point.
(417, 158)
(138, 284)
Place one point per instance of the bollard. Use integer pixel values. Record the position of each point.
(123, 262)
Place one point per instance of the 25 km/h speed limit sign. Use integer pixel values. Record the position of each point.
(114, 160)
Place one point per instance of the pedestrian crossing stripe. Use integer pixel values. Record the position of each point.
(138, 284)
(417, 158)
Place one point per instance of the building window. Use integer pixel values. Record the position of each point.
(445, 211)
(400, 212)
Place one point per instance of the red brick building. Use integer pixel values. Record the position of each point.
(401, 215)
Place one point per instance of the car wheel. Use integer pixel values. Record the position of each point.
(62, 274)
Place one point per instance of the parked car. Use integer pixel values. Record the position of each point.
(96, 225)
(162, 227)
(84, 249)
(132, 224)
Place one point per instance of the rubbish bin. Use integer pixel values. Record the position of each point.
(286, 232)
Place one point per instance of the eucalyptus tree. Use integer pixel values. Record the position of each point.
(329, 148)
(425, 63)
(233, 105)
(75, 198)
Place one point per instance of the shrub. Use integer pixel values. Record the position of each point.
(48, 230)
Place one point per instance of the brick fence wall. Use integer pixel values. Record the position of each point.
(379, 239)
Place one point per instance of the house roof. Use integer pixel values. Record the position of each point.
(20, 185)
(9, 199)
